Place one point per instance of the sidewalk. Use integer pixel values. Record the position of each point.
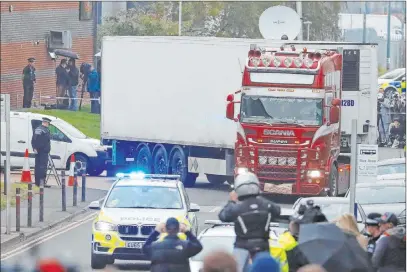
(53, 213)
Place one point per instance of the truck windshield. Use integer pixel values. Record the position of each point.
(273, 110)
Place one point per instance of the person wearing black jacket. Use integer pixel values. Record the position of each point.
(29, 79)
(171, 254)
(73, 73)
(251, 214)
(372, 228)
(41, 144)
(63, 81)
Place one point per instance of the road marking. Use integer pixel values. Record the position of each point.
(46, 237)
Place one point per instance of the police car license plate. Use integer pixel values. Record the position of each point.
(138, 245)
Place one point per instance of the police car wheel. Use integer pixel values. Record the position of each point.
(110, 260)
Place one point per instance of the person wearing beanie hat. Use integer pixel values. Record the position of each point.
(264, 262)
(171, 253)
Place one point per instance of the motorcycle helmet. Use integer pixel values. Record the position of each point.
(247, 184)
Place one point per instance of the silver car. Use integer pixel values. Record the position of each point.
(221, 236)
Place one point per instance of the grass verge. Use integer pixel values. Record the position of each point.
(23, 192)
(83, 120)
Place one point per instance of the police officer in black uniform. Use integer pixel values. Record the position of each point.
(41, 144)
(372, 227)
(28, 83)
(251, 214)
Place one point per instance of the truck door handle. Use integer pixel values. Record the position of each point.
(21, 142)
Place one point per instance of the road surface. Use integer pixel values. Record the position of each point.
(72, 241)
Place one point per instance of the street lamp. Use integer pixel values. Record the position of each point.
(308, 23)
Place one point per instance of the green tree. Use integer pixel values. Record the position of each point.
(220, 19)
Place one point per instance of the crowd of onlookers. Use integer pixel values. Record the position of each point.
(391, 119)
(67, 82)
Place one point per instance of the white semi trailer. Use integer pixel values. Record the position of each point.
(164, 101)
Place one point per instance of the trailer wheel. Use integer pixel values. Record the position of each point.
(160, 160)
(215, 179)
(333, 181)
(144, 159)
(178, 166)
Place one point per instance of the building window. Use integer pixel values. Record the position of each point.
(85, 11)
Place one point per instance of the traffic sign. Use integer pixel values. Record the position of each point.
(367, 157)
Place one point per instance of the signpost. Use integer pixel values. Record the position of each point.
(353, 163)
(367, 158)
(5, 117)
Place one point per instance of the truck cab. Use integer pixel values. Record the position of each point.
(288, 123)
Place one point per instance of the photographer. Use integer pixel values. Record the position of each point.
(171, 254)
(251, 214)
(306, 214)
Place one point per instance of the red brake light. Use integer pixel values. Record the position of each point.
(257, 54)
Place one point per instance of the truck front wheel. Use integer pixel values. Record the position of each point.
(178, 166)
(333, 181)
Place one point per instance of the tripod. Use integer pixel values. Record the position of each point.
(51, 171)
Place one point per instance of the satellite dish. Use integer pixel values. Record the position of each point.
(278, 21)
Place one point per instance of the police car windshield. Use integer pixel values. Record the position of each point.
(69, 129)
(212, 243)
(144, 197)
(387, 169)
(293, 110)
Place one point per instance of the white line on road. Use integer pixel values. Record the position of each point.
(46, 237)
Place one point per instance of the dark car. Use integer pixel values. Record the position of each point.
(333, 207)
(381, 196)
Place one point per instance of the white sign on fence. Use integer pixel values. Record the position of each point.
(367, 158)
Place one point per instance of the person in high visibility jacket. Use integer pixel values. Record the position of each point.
(286, 251)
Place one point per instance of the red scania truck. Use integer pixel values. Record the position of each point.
(289, 122)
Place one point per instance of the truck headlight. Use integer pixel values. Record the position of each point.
(314, 174)
(105, 226)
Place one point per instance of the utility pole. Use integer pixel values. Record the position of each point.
(179, 18)
(298, 6)
(364, 23)
(388, 35)
(353, 158)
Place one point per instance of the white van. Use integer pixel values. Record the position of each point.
(65, 141)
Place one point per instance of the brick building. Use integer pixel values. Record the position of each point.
(25, 28)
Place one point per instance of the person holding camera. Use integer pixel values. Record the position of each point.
(171, 254)
(306, 214)
(251, 214)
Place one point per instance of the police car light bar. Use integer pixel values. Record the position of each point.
(140, 175)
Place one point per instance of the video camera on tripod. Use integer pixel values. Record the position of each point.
(309, 213)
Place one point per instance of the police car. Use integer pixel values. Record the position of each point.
(133, 207)
(221, 236)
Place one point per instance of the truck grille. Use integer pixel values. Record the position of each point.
(277, 164)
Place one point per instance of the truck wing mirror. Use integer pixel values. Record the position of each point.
(230, 110)
(230, 98)
(334, 115)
